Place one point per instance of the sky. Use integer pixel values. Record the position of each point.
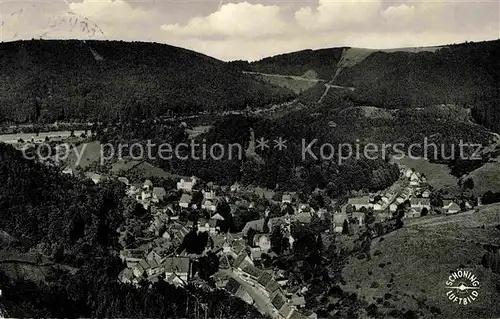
(251, 30)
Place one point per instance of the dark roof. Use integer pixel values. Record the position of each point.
(252, 271)
(279, 300)
(272, 286)
(264, 278)
(232, 286)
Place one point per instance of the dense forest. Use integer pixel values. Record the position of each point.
(322, 61)
(46, 81)
(466, 75)
(74, 223)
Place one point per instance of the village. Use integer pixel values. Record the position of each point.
(162, 251)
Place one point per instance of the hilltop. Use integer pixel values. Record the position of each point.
(54, 80)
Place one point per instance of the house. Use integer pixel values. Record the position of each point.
(338, 221)
(68, 170)
(242, 260)
(279, 300)
(420, 203)
(210, 195)
(148, 185)
(159, 194)
(414, 179)
(360, 202)
(140, 268)
(187, 184)
(377, 206)
(450, 207)
(154, 255)
(124, 180)
(217, 217)
(264, 279)
(413, 213)
(393, 207)
(359, 217)
(262, 241)
(180, 266)
(252, 271)
(286, 311)
(185, 200)
(96, 178)
(209, 205)
(286, 199)
(235, 187)
(126, 276)
(426, 193)
(298, 301)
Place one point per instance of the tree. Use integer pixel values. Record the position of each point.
(469, 183)
(345, 228)
(369, 217)
(424, 212)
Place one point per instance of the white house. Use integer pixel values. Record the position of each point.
(286, 199)
(185, 200)
(338, 221)
(420, 203)
(187, 184)
(209, 205)
(393, 207)
(360, 202)
(450, 207)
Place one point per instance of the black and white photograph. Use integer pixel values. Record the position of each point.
(278, 159)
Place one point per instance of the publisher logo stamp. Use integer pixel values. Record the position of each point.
(462, 287)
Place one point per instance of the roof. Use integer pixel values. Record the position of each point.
(212, 222)
(232, 286)
(185, 198)
(237, 262)
(252, 271)
(454, 206)
(339, 217)
(298, 300)
(365, 200)
(286, 197)
(217, 217)
(272, 286)
(264, 278)
(124, 180)
(279, 300)
(286, 310)
(421, 201)
(177, 264)
(298, 315)
(159, 192)
(148, 183)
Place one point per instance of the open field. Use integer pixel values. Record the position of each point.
(409, 267)
(486, 178)
(438, 175)
(297, 84)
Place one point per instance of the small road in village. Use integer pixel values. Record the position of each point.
(261, 301)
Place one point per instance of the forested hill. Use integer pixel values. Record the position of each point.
(466, 74)
(323, 62)
(50, 80)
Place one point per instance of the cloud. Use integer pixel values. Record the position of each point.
(110, 11)
(338, 14)
(251, 31)
(234, 20)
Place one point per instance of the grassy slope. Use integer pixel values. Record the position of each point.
(419, 259)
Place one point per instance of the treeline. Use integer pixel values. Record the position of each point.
(94, 292)
(322, 62)
(47, 81)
